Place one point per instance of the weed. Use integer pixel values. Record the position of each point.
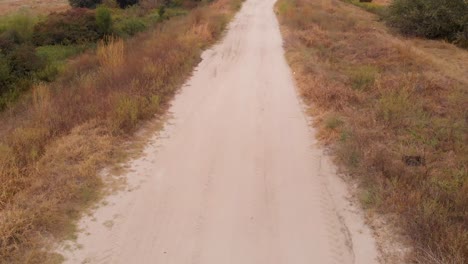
(125, 116)
(333, 122)
(363, 77)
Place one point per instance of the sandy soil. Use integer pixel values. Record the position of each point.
(235, 176)
(35, 6)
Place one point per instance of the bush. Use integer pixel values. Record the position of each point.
(4, 74)
(74, 26)
(130, 27)
(104, 20)
(19, 25)
(24, 61)
(7, 42)
(125, 3)
(430, 18)
(84, 3)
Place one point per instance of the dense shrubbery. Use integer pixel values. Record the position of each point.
(446, 19)
(19, 63)
(130, 27)
(125, 3)
(74, 26)
(85, 3)
(95, 3)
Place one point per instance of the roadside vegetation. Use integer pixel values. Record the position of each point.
(433, 19)
(35, 48)
(394, 112)
(57, 136)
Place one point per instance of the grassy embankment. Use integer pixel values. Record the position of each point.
(394, 111)
(35, 48)
(57, 137)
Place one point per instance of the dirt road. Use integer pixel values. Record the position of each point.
(235, 176)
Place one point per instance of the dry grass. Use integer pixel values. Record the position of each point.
(55, 140)
(36, 6)
(110, 53)
(380, 102)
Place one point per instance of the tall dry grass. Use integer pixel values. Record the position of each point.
(110, 52)
(55, 140)
(395, 113)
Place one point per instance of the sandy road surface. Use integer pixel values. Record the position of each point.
(235, 177)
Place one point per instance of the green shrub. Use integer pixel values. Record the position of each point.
(130, 26)
(24, 61)
(57, 53)
(84, 3)
(49, 73)
(4, 74)
(430, 18)
(19, 26)
(7, 42)
(74, 26)
(125, 3)
(104, 19)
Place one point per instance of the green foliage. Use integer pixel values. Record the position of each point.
(4, 73)
(174, 11)
(18, 26)
(104, 19)
(24, 61)
(74, 26)
(56, 53)
(446, 19)
(55, 57)
(161, 11)
(84, 3)
(130, 26)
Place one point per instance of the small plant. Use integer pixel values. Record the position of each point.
(126, 113)
(363, 77)
(333, 122)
